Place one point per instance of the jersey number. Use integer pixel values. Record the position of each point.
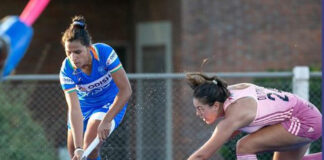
(271, 97)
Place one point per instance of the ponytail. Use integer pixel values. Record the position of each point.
(207, 89)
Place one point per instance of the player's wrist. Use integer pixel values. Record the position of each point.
(78, 151)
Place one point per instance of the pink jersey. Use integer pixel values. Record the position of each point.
(273, 106)
(297, 116)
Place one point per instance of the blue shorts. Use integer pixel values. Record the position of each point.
(99, 113)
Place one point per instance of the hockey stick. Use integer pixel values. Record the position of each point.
(16, 33)
(90, 148)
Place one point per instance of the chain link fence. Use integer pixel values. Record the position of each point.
(160, 122)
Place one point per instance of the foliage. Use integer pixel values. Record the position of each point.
(20, 136)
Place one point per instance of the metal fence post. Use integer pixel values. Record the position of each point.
(139, 120)
(301, 84)
(169, 120)
(301, 81)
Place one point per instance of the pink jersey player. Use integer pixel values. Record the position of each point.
(298, 117)
(274, 120)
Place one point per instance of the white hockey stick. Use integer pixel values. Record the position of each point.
(91, 147)
(95, 143)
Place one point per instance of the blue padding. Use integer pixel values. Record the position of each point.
(18, 36)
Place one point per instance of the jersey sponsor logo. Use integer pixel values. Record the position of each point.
(99, 83)
(112, 57)
(66, 80)
(95, 86)
(311, 129)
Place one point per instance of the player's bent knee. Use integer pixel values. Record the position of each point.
(243, 147)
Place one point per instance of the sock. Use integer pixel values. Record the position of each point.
(313, 156)
(246, 157)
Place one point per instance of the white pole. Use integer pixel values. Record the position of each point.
(301, 84)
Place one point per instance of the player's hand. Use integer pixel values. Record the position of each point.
(78, 154)
(103, 130)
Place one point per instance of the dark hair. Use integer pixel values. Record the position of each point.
(77, 31)
(207, 89)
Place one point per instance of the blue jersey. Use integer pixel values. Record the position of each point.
(98, 88)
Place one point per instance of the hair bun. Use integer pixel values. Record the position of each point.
(215, 82)
(78, 21)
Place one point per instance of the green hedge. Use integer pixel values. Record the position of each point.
(21, 138)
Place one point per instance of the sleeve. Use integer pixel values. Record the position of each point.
(110, 57)
(67, 83)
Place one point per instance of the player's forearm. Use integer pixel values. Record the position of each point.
(76, 121)
(75, 118)
(208, 149)
(197, 157)
(221, 134)
(120, 100)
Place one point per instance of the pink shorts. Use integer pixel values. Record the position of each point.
(306, 121)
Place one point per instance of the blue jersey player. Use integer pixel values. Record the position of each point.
(96, 89)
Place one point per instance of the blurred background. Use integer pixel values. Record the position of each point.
(157, 41)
